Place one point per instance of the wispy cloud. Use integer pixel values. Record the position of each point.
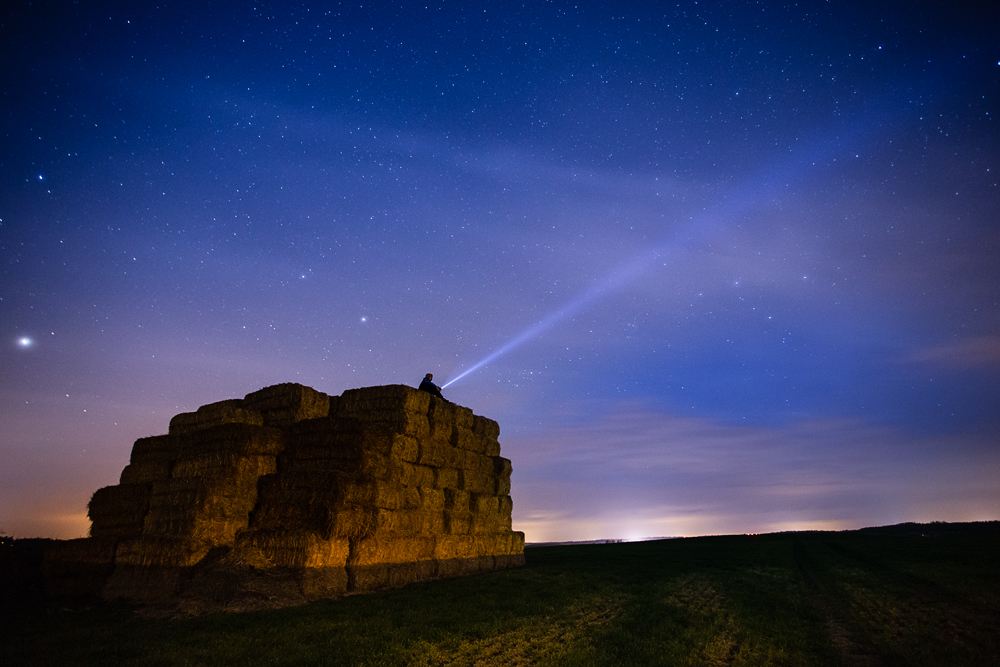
(980, 352)
(634, 472)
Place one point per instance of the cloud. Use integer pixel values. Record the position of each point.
(638, 472)
(980, 352)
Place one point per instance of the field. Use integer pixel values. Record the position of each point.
(887, 597)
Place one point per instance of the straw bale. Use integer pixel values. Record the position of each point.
(401, 574)
(118, 510)
(146, 471)
(218, 530)
(506, 505)
(411, 497)
(238, 439)
(355, 521)
(380, 550)
(503, 486)
(431, 499)
(457, 522)
(388, 398)
(459, 567)
(324, 582)
(294, 549)
(447, 478)
(455, 457)
(485, 428)
(478, 483)
(502, 471)
(376, 493)
(485, 503)
(457, 500)
(504, 561)
(225, 464)
(489, 523)
(296, 500)
(287, 403)
(432, 453)
(161, 551)
(416, 475)
(366, 578)
(453, 546)
(223, 494)
(403, 522)
(464, 438)
(479, 464)
(441, 419)
(156, 448)
(214, 414)
(142, 583)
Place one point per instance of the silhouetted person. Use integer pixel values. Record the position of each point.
(428, 385)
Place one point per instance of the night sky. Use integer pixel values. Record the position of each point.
(733, 267)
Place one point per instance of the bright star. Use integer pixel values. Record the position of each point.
(364, 319)
(24, 341)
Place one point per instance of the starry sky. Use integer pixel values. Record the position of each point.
(714, 267)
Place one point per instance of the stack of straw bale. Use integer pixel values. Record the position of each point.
(376, 488)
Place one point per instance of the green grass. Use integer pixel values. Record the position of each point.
(784, 599)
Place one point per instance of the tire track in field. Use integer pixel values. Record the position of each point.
(852, 654)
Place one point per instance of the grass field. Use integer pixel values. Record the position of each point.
(781, 599)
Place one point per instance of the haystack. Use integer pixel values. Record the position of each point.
(326, 496)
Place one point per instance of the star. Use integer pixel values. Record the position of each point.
(25, 342)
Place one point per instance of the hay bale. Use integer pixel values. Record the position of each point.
(457, 522)
(384, 399)
(386, 550)
(484, 503)
(374, 493)
(225, 464)
(489, 523)
(502, 562)
(295, 501)
(457, 500)
(485, 428)
(449, 547)
(416, 475)
(502, 471)
(217, 530)
(431, 499)
(441, 420)
(287, 403)
(152, 551)
(294, 549)
(156, 448)
(448, 478)
(146, 471)
(214, 414)
(460, 567)
(236, 439)
(367, 578)
(478, 483)
(118, 511)
(432, 453)
(479, 464)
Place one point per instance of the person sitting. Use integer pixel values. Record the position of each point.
(428, 385)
